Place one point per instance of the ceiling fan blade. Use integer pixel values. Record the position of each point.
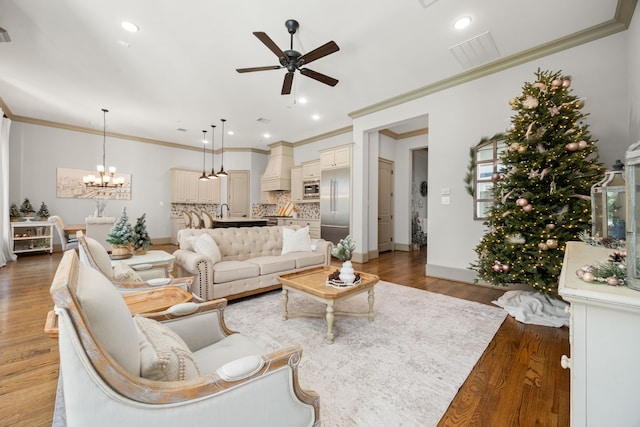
(286, 84)
(249, 70)
(324, 50)
(319, 77)
(264, 38)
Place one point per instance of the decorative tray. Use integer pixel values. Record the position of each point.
(337, 283)
(125, 256)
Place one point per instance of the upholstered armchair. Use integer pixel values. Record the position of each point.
(123, 277)
(67, 242)
(98, 228)
(182, 366)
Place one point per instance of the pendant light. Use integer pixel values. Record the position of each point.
(204, 141)
(212, 175)
(221, 172)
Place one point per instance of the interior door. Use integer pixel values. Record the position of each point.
(385, 205)
(238, 193)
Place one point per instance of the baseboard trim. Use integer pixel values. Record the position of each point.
(402, 247)
(469, 276)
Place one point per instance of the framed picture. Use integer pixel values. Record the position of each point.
(70, 184)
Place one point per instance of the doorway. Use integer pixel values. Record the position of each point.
(419, 192)
(385, 205)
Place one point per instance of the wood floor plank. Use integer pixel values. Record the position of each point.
(518, 380)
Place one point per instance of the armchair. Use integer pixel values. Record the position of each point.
(67, 242)
(223, 378)
(93, 254)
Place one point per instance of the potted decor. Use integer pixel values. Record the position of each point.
(27, 209)
(142, 240)
(14, 212)
(43, 212)
(122, 237)
(344, 251)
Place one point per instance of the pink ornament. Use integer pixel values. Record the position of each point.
(582, 144)
(539, 85)
(579, 272)
(542, 246)
(612, 281)
(522, 202)
(587, 268)
(588, 276)
(551, 226)
(514, 146)
(522, 149)
(497, 268)
(511, 128)
(572, 146)
(527, 208)
(556, 83)
(495, 177)
(506, 268)
(566, 83)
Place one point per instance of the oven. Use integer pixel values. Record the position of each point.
(311, 190)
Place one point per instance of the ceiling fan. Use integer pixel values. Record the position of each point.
(293, 60)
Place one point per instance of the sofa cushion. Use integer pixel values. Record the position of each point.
(164, 356)
(273, 264)
(305, 259)
(233, 347)
(109, 318)
(205, 245)
(124, 273)
(295, 240)
(228, 271)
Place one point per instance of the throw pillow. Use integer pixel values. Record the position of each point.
(295, 240)
(205, 245)
(124, 273)
(164, 356)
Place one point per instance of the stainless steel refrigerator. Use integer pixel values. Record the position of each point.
(334, 204)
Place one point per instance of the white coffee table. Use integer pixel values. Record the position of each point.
(151, 258)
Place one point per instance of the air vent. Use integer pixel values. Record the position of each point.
(263, 120)
(476, 51)
(181, 130)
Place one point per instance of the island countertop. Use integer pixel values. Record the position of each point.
(238, 221)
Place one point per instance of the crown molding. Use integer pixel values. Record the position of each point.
(393, 135)
(620, 22)
(323, 136)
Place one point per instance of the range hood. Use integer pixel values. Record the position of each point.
(277, 175)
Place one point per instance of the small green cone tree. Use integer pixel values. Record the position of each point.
(43, 212)
(27, 208)
(121, 233)
(542, 194)
(143, 241)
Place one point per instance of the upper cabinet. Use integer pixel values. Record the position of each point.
(186, 187)
(338, 157)
(311, 170)
(296, 184)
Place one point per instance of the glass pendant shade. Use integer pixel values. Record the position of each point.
(204, 176)
(221, 172)
(609, 205)
(212, 174)
(632, 171)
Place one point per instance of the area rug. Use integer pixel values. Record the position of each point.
(402, 369)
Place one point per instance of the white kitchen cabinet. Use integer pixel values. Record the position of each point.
(311, 170)
(313, 224)
(296, 184)
(337, 157)
(187, 187)
(605, 344)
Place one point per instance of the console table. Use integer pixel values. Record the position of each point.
(604, 335)
(31, 236)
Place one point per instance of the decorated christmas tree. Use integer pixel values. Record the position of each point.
(43, 212)
(542, 193)
(143, 241)
(121, 233)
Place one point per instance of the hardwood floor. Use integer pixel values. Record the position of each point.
(517, 382)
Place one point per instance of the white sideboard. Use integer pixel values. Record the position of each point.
(605, 344)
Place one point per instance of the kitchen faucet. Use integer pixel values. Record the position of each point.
(224, 204)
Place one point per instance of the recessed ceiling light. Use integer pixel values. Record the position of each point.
(266, 135)
(462, 22)
(303, 100)
(231, 132)
(316, 117)
(132, 28)
(123, 43)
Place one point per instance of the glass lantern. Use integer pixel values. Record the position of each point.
(633, 215)
(608, 204)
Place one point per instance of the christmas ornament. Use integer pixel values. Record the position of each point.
(527, 208)
(582, 144)
(522, 201)
(588, 268)
(505, 268)
(579, 272)
(550, 226)
(495, 177)
(556, 83)
(522, 149)
(497, 268)
(579, 104)
(513, 102)
(516, 239)
(552, 243)
(612, 281)
(540, 85)
(554, 111)
(572, 146)
(530, 103)
(514, 146)
(543, 246)
(588, 276)
(566, 83)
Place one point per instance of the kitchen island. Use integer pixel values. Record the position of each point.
(238, 221)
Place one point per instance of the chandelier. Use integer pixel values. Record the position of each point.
(104, 179)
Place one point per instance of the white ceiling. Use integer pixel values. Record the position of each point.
(65, 61)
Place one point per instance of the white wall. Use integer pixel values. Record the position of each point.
(36, 151)
(633, 40)
(460, 116)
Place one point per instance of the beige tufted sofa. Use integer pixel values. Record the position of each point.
(251, 260)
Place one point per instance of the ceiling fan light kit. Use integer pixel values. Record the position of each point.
(293, 60)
